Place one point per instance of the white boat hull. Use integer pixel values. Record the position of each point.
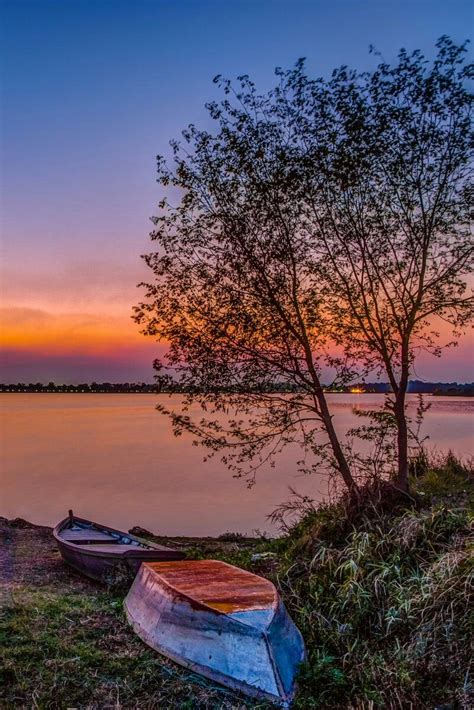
(255, 650)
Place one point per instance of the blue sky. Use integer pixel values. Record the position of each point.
(91, 92)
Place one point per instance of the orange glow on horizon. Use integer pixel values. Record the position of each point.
(30, 330)
(113, 336)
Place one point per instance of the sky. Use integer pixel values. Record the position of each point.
(92, 91)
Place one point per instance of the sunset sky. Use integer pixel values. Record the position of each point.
(92, 92)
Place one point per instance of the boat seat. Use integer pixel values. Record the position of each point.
(116, 549)
(85, 536)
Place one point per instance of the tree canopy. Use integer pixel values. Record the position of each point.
(322, 227)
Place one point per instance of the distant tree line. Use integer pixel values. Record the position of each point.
(94, 387)
(414, 387)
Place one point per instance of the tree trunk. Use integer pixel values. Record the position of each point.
(401, 478)
(342, 464)
(319, 396)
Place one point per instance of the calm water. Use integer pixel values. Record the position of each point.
(113, 458)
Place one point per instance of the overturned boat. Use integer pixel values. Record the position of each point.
(220, 621)
(102, 553)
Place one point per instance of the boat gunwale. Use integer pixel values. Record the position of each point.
(148, 549)
(200, 604)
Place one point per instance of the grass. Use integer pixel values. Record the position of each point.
(62, 651)
(386, 615)
(384, 603)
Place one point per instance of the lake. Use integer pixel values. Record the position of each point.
(114, 459)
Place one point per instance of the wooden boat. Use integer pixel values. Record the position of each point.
(101, 552)
(220, 621)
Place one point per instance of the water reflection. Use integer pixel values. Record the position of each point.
(114, 458)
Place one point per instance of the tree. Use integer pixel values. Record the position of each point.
(388, 191)
(321, 227)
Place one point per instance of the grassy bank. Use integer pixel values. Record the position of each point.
(383, 601)
(386, 602)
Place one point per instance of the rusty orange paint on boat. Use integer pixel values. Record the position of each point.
(217, 585)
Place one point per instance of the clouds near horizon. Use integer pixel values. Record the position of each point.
(71, 347)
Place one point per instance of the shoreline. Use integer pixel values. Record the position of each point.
(71, 635)
(224, 543)
(66, 641)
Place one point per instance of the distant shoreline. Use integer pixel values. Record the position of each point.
(450, 389)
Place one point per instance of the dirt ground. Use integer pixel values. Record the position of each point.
(28, 556)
